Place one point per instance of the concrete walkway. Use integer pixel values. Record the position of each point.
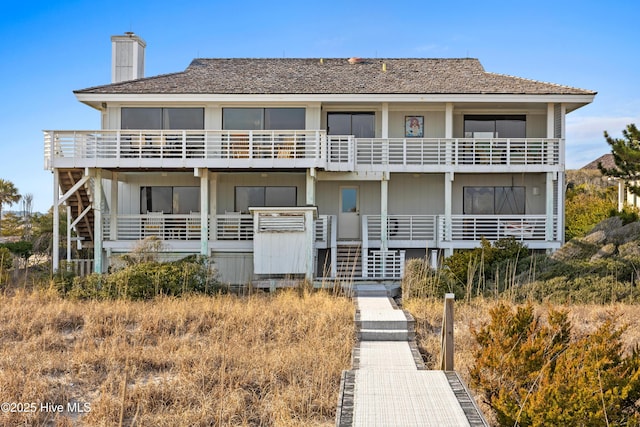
(388, 384)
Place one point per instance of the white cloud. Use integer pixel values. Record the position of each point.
(585, 138)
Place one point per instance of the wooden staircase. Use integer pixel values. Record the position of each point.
(349, 261)
(78, 202)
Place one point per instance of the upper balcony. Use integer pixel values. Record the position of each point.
(297, 149)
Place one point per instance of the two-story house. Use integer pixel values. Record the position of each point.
(313, 167)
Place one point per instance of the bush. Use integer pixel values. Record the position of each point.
(145, 280)
(422, 281)
(487, 268)
(583, 210)
(533, 372)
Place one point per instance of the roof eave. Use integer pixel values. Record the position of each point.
(96, 99)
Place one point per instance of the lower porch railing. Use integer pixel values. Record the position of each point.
(403, 227)
(229, 226)
(384, 264)
(475, 227)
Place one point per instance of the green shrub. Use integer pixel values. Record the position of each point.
(145, 280)
(533, 372)
(6, 259)
(627, 215)
(422, 281)
(583, 211)
(489, 268)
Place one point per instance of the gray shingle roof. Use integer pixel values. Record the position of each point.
(335, 76)
(606, 160)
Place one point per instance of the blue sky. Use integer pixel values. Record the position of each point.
(51, 48)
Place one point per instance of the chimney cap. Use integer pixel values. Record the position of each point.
(129, 35)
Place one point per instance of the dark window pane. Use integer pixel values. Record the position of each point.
(339, 124)
(249, 197)
(501, 126)
(156, 199)
(280, 196)
(183, 118)
(509, 200)
(242, 118)
(284, 118)
(186, 200)
(141, 118)
(363, 125)
(511, 128)
(478, 200)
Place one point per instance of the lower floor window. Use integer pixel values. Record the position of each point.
(260, 196)
(169, 200)
(494, 200)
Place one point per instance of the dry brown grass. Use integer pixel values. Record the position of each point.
(470, 316)
(224, 360)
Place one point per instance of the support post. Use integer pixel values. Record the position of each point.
(549, 206)
(311, 187)
(113, 207)
(97, 225)
(204, 212)
(448, 188)
(384, 196)
(621, 195)
(446, 354)
(68, 234)
(56, 221)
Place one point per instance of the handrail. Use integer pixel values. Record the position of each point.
(446, 338)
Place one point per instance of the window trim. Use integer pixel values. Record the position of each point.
(172, 187)
(264, 193)
(466, 210)
(163, 116)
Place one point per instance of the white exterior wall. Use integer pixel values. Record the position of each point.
(416, 194)
(433, 123)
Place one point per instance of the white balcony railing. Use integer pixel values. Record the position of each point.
(474, 228)
(184, 147)
(237, 227)
(293, 148)
(160, 225)
(417, 154)
(403, 227)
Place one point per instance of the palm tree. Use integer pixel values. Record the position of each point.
(8, 195)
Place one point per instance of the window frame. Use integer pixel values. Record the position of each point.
(265, 201)
(495, 119)
(517, 192)
(164, 122)
(174, 203)
(264, 122)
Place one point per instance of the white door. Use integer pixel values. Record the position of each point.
(349, 214)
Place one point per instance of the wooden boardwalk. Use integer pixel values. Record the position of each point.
(388, 384)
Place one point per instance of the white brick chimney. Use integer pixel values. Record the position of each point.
(127, 57)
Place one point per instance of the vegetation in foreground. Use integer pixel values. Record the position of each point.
(539, 364)
(195, 360)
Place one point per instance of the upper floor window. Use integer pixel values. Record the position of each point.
(360, 125)
(162, 118)
(247, 197)
(169, 200)
(495, 126)
(263, 118)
